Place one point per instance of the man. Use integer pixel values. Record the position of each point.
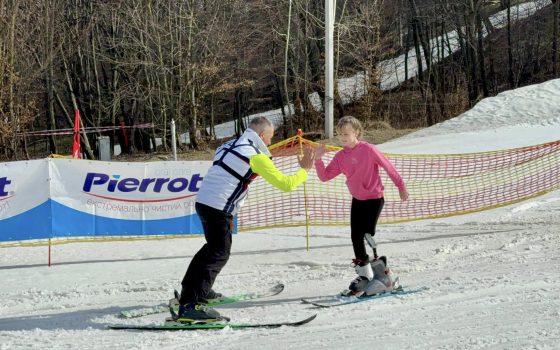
(236, 164)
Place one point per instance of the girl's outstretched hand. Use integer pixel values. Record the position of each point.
(319, 151)
(403, 193)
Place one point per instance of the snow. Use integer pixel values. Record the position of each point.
(516, 118)
(492, 278)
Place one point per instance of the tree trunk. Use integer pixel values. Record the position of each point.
(481, 65)
(239, 112)
(314, 52)
(84, 138)
(470, 45)
(406, 50)
(288, 115)
(416, 36)
(555, 31)
(51, 122)
(191, 79)
(510, 48)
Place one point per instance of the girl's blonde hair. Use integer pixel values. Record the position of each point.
(354, 123)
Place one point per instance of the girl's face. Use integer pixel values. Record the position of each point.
(347, 136)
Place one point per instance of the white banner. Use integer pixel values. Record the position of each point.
(24, 200)
(79, 198)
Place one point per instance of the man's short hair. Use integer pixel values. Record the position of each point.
(259, 124)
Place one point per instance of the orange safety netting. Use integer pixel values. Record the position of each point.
(440, 185)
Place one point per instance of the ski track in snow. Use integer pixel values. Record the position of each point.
(490, 284)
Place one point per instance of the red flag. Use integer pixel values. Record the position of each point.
(125, 135)
(76, 144)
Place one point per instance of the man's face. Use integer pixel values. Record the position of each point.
(266, 135)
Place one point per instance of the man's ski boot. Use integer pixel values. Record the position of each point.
(365, 274)
(382, 281)
(211, 298)
(195, 313)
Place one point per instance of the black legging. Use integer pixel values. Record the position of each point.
(211, 258)
(363, 219)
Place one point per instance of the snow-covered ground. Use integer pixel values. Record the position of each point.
(492, 278)
(516, 118)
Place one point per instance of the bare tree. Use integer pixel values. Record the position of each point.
(362, 43)
(18, 103)
(204, 62)
(509, 46)
(555, 37)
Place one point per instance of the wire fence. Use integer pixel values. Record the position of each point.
(440, 185)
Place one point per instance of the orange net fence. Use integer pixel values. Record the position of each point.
(440, 185)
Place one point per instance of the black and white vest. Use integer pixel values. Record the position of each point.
(225, 185)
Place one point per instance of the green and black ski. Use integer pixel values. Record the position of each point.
(211, 326)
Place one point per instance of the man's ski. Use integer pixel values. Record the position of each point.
(209, 326)
(338, 300)
(277, 289)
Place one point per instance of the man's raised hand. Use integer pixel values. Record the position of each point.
(306, 162)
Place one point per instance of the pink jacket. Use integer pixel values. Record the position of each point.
(361, 167)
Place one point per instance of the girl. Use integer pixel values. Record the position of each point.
(359, 161)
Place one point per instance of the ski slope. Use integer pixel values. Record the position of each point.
(492, 278)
